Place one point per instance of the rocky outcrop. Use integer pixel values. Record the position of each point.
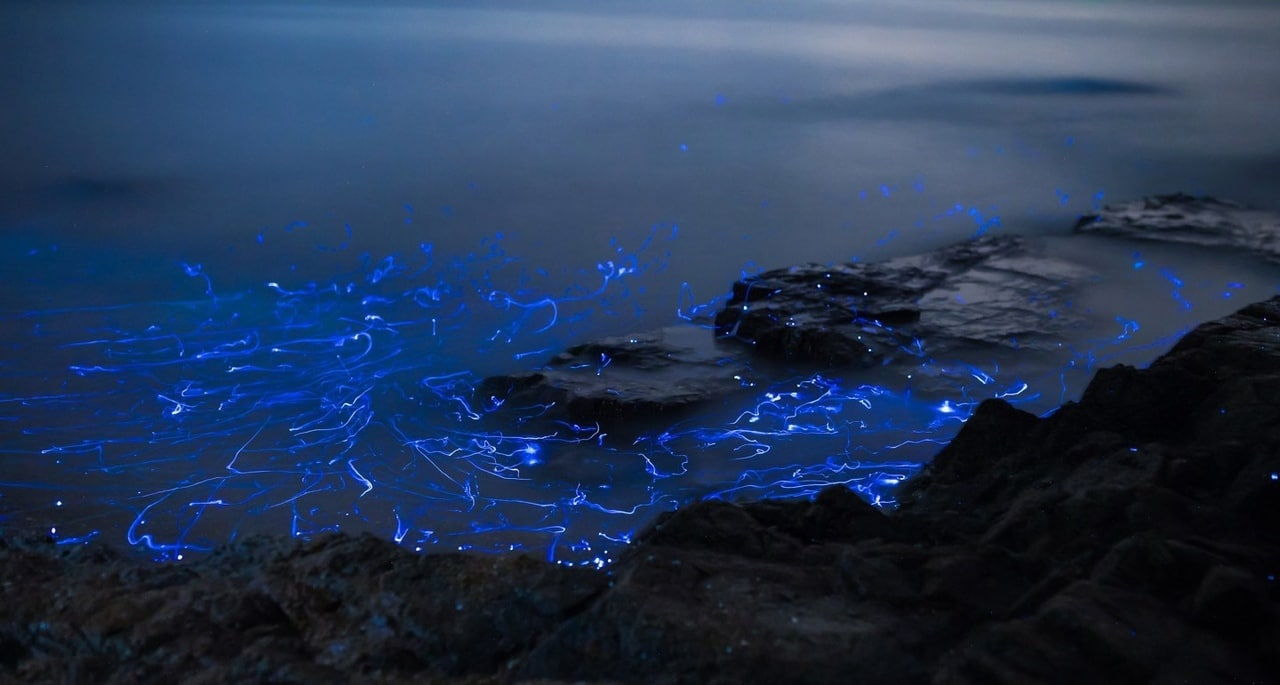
(1181, 218)
(992, 292)
(1131, 537)
(1080, 548)
(649, 374)
(995, 291)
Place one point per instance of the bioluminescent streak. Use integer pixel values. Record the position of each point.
(349, 404)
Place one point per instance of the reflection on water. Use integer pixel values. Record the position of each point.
(255, 255)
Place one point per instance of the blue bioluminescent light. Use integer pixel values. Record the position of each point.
(305, 406)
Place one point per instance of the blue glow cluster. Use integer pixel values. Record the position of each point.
(320, 405)
(342, 405)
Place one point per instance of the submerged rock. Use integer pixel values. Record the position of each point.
(1181, 218)
(648, 374)
(995, 291)
(1131, 537)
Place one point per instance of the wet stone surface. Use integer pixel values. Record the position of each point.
(642, 375)
(1182, 218)
(995, 292)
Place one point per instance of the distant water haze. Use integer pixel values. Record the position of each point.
(769, 133)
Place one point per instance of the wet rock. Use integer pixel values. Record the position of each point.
(993, 291)
(1182, 218)
(651, 374)
(996, 291)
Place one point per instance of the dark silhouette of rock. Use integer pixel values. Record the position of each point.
(1129, 537)
(1181, 218)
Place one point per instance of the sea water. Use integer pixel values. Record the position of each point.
(255, 255)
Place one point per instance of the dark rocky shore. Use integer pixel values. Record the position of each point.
(1133, 536)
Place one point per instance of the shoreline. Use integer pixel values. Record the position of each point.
(1131, 535)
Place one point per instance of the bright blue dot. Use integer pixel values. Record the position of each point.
(684, 148)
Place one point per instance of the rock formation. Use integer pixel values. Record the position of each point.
(989, 293)
(1181, 218)
(995, 291)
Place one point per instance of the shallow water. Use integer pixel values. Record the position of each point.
(441, 193)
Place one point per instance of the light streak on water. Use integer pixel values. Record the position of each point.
(302, 407)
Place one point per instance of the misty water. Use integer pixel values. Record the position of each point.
(255, 255)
